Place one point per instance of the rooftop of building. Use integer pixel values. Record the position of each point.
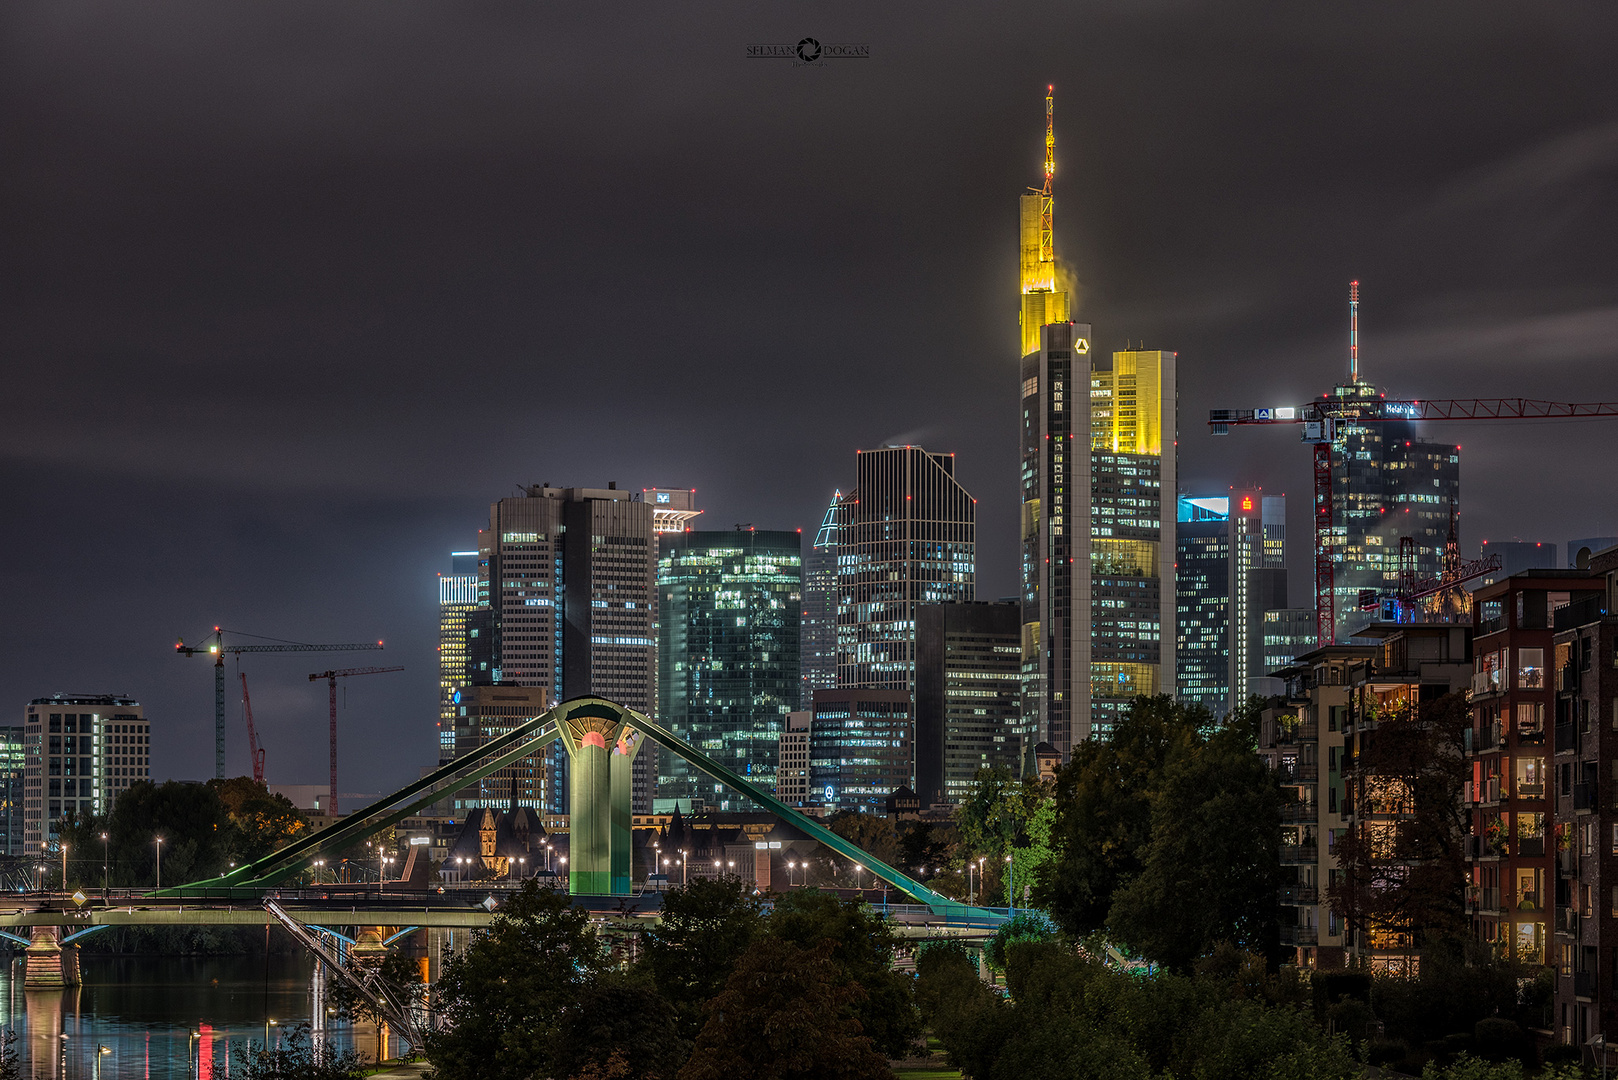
(110, 700)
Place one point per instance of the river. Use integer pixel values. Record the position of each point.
(161, 1017)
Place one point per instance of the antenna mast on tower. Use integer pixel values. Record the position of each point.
(1353, 331)
(1046, 252)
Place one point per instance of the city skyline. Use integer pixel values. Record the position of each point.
(239, 393)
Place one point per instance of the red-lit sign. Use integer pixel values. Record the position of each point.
(1247, 502)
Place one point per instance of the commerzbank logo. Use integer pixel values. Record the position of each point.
(1081, 345)
(810, 51)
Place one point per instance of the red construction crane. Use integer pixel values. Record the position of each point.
(331, 678)
(1320, 420)
(217, 649)
(256, 754)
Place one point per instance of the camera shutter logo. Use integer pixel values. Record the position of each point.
(808, 50)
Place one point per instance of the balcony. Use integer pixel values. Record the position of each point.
(1584, 984)
(1296, 895)
(1487, 682)
(1299, 935)
(1530, 791)
(1300, 854)
(1567, 920)
(1306, 772)
(1529, 847)
(1300, 811)
(1567, 738)
(1567, 679)
(1488, 899)
(1584, 796)
(1580, 612)
(1485, 738)
(1491, 626)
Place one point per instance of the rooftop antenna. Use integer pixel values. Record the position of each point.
(1353, 331)
(1046, 251)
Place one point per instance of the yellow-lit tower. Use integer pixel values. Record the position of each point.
(1041, 301)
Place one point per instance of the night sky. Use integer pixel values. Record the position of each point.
(292, 290)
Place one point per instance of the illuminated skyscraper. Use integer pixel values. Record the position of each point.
(1042, 300)
(458, 603)
(819, 631)
(728, 609)
(910, 538)
(1098, 438)
(80, 753)
(570, 578)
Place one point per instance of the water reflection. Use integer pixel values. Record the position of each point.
(161, 1017)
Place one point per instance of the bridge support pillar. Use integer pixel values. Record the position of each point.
(601, 751)
(50, 966)
(368, 947)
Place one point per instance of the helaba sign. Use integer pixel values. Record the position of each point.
(810, 51)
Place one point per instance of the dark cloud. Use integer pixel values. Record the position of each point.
(291, 291)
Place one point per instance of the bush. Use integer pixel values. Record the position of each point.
(1498, 1039)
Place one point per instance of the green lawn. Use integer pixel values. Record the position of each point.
(928, 1074)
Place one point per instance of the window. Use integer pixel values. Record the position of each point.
(1530, 668)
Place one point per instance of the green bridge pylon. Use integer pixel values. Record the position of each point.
(602, 739)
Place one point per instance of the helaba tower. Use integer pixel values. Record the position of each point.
(1098, 505)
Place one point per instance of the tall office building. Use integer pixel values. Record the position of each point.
(80, 752)
(1288, 634)
(729, 605)
(1230, 574)
(673, 509)
(968, 696)
(818, 636)
(909, 538)
(481, 713)
(1097, 456)
(1202, 615)
(1098, 533)
(458, 604)
(13, 769)
(570, 579)
(1387, 482)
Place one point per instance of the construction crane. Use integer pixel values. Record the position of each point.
(331, 678)
(1321, 419)
(253, 750)
(217, 649)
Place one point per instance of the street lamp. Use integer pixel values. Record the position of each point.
(683, 856)
(268, 1024)
(106, 862)
(159, 842)
(64, 865)
(858, 881)
(1011, 886)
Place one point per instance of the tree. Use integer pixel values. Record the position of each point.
(619, 1021)
(505, 996)
(784, 1015)
(705, 928)
(1103, 810)
(1404, 870)
(861, 944)
(261, 822)
(1005, 817)
(193, 822)
(1211, 870)
(871, 833)
(295, 1058)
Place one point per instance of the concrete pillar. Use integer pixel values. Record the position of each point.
(621, 843)
(50, 966)
(590, 734)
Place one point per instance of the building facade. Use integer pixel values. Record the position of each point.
(968, 696)
(1512, 861)
(1098, 534)
(908, 537)
(860, 748)
(728, 659)
(487, 712)
(459, 601)
(569, 578)
(80, 753)
(1387, 482)
(13, 770)
(792, 760)
(1584, 676)
(818, 631)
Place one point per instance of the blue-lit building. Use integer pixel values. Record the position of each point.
(860, 748)
(728, 656)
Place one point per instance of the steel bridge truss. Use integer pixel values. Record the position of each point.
(524, 740)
